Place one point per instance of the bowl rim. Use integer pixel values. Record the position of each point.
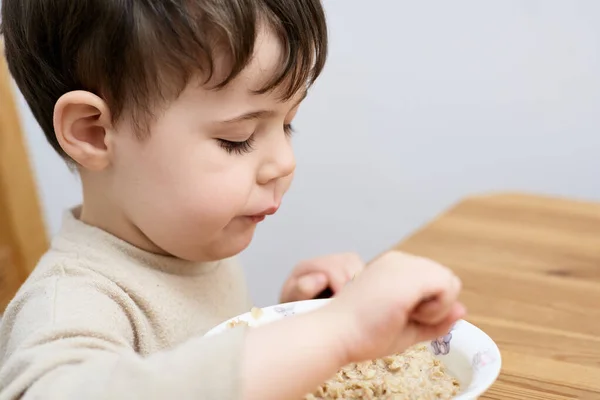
(484, 381)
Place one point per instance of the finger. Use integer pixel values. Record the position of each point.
(310, 285)
(433, 311)
(338, 278)
(296, 288)
(339, 270)
(287, 290)
(430, 312)
(353, 265)
(355, 272)
(424, 332)
(314, 265)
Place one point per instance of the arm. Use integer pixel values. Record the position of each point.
(203, 368)
(74, 339)
(87, 351)
(292, 357)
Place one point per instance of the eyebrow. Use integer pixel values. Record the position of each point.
(252, 115)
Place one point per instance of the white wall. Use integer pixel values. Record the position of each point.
(422, 103)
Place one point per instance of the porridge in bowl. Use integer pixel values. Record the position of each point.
(461, 365)
(414, 374)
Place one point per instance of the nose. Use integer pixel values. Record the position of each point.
(279, 162)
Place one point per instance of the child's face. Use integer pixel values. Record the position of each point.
(212, 160)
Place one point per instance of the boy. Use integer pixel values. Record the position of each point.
(177, 115)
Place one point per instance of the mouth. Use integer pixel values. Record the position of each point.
(256, 218)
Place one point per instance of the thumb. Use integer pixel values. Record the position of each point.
(425, 332)
(311, 285)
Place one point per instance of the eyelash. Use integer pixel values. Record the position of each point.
(288, 129)
(246, 146)
(237, 147)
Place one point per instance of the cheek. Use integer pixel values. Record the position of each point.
(217, 197)
(183, 193)
(201, 189)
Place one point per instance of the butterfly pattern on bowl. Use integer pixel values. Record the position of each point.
(482, 358)
(285, 310)
(441, 345)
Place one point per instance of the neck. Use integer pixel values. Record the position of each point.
(99, 210)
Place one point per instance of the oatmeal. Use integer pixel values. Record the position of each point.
(237, 322)
(414, 374)
(255, 313)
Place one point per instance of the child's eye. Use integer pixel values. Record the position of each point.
(246, 146)
(288, 129)
(237, 147)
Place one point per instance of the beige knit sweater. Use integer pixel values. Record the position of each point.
(101, 319)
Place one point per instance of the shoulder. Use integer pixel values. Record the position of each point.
(63, 298)
(62, 277)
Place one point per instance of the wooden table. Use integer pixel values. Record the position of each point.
(531, 273)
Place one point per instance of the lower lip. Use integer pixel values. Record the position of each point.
(257, 219)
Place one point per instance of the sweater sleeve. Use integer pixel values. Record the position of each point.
(70, 339)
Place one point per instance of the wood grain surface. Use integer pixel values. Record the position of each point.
(531, 272)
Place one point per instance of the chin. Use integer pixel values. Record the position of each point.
(232, 246)
(226, 246)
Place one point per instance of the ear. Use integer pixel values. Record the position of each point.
(83, 124)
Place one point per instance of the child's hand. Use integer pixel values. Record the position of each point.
(311, 277)
(378, 314)
(382, 311)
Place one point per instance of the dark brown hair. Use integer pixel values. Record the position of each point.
(138, 54)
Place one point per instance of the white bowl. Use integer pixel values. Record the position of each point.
(470, 355)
